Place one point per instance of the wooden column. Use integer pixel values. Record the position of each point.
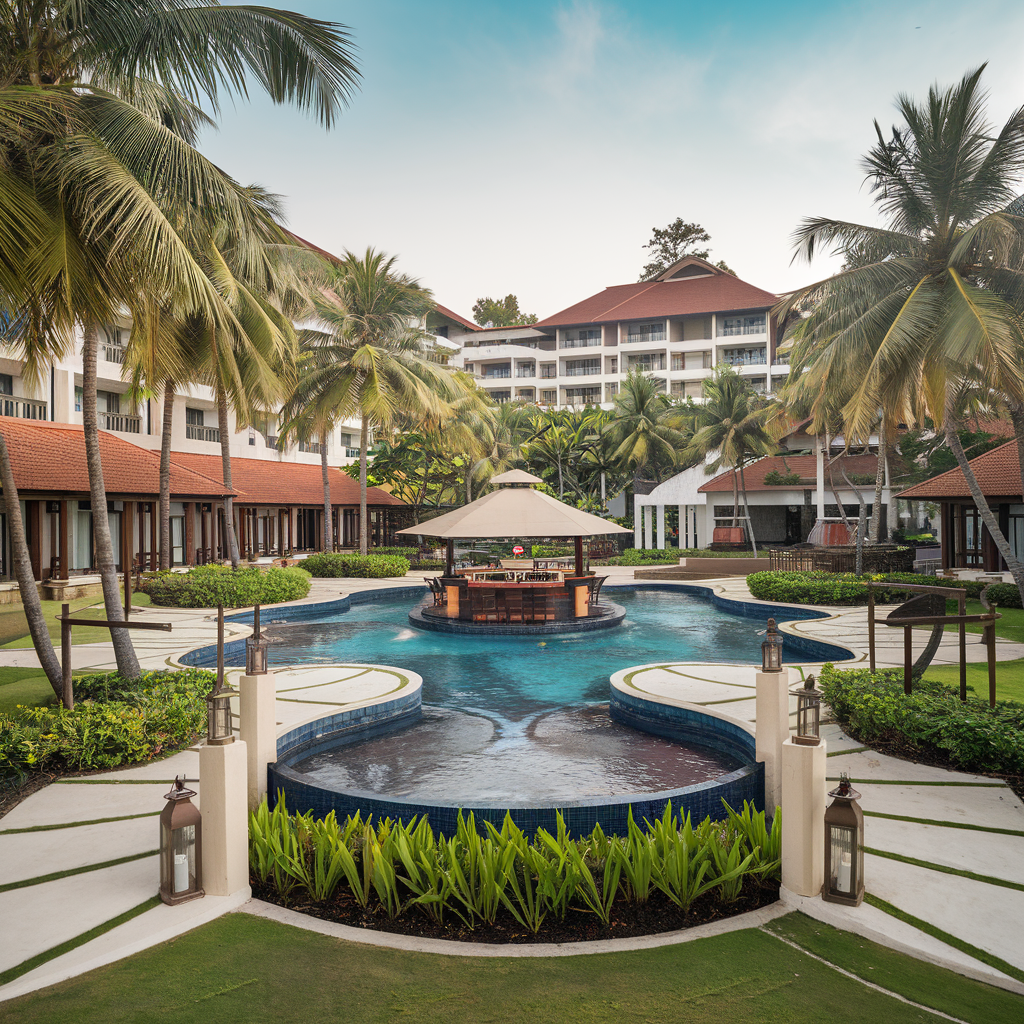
(154, 537)
(579, 556)
(280, 533)
(127, 536)
(35, 530)
(189, 539)
(65, 540)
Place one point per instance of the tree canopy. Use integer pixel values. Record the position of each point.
(501, 312)
(671, 243)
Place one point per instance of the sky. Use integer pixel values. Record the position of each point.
(531, 147)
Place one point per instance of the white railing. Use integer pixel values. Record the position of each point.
(119, 423)
(197, 432)
(113, 353)
(583, 371)
(580, 343)
(497, 374)
(638, 339)
(526, 373)
(22, 408)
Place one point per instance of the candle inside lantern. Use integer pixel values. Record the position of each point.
(845, 872)
(180, 872)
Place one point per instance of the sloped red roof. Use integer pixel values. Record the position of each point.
(716, 294)
(445, 311)
(997, 472)
(267, 482)
(50, 457)
(805, 465)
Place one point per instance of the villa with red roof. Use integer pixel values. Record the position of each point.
(677, 327)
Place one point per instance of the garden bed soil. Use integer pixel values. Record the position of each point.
(628, 920)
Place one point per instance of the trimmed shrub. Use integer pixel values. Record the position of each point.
(428, 564)
(332, 565)
(645, 556)
(1005, 595)
(115, 721)
(974, 737)
(845, 588)
(206, 586)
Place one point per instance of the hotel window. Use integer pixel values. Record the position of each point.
(743, 356)
(194, 416)
(732, 325)
(613, 364)
(78, 399)
(611, 390)
(646, 332)
(6, 384)
(549, 397)
(582, 338)
(677, 361)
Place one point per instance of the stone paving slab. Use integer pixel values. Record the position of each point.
(993, 808)
(986, 916)
(32, 854)
(185, 762)
(981, 852)
(74, 905)
(65, 801)
(869, 764)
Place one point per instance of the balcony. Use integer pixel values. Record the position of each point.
(351, 453)
(197, 432)
(311, 447)
(500, 374)
(119, 423)
(113, 353)
(22, 408)
(644, 337)
(524, 371)
(647, 365)
(548, 374)
(593, 370)
(743, 356)
(581, 343)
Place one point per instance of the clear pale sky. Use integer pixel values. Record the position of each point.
(531, 146)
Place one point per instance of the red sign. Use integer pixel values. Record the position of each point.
(518, 549)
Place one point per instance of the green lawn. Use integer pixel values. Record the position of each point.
(1009, 627)
(14, 626)
(241, 968)
(1009, 678)
(24, 686)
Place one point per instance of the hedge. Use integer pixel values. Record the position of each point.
(847, 588)
(872, 706)
(207, 586)
(115, 721)
(340, 566)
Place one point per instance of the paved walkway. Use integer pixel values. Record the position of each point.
(75, 829)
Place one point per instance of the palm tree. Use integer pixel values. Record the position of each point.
(367, 359)
(496, 433)
(731, 424)
(648, 434)
(931, 306)
(97, 125)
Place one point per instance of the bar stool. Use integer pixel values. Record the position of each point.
(514, 606)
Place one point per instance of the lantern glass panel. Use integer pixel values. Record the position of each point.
(843, 861)
(808, 717)
(183, 858)
(255, 656)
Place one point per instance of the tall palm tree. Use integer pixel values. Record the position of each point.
(97, 123)
(367, 358)
(647, 433)
(932, 305)
(731, 424)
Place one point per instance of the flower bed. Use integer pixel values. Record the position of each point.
(506, 887)
(334, 565)
(115, 721)
(969, 736)
(207, 586)
(847, 588)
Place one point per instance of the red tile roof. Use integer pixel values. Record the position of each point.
(997, 471)
(267, 482)
(445, 311)
(719, 293)
(805, 465)
(50, 457)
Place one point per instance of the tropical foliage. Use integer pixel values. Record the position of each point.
(333, 565)
(390, 869)
(207, 586)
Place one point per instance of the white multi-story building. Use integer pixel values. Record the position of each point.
(677, 327)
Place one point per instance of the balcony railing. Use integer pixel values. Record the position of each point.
(583, 371)
(525, 372)
(197, 432)
(497, 374)
(747, 359)
(351, 453)
(581, 343)
(22, 408)
(113, 353)
(119, 423)
(312, 447)
(271, 440)
(548, 374)
(636, 339)
(647, 366)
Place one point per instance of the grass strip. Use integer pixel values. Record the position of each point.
(962, 872)
(902, 782)
(950, 940)
(79, 940)
(852, 750)
(93, 821)
(944, 824)
(56, 875)
(728, 700)
(325, 703)
(117, 782)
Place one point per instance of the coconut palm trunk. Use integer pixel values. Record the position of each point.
(861, 517)
(165, 477)
(984, 509)
(746, 509)
(23, 572)
(328, 544)
(225, 462)
(124, 651)
(735, 498)
(364, 526)
(874, 529)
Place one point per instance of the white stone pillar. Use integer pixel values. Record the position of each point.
(638, 522)
(661, 527)
(803, 818)
(649, 528)
(819, 479)
(772, 730)
(257, 702)
(222, 801)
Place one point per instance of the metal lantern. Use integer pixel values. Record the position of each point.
(256, 648)
(808, 714)
(181, 846)
(218, 715)
(844, 848)
(771, 650)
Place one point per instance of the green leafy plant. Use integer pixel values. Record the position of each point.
(207, 586)
(341, 566)
(830, 588)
